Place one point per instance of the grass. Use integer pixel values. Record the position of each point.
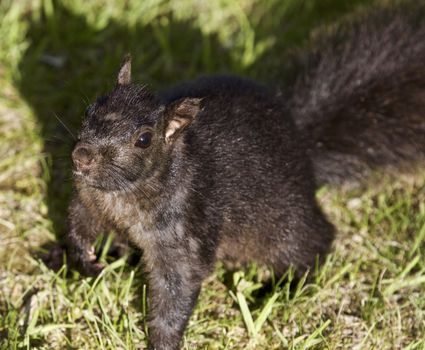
(55, 56)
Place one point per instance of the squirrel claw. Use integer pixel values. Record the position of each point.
(91, 268)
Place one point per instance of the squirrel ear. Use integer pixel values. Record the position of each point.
(179, 115)
(124, 75)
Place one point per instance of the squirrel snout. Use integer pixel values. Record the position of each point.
(83, 156)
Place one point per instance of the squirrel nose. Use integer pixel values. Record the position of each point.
(83, 156)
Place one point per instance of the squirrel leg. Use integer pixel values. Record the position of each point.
(175, 280)
(83, 230)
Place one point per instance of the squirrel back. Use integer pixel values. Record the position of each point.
(360, 103)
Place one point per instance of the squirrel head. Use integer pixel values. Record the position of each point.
(128, 135)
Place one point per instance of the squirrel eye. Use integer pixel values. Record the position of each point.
(144, 140)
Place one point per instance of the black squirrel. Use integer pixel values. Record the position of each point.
(222, 168)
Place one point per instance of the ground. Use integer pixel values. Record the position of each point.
(56, 56)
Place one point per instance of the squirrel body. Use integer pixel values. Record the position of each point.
(215, 191)
(223, 168)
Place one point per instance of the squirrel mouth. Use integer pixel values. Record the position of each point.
(82, 176)
(78, 174)
(87, 180)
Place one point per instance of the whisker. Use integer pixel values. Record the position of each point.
(65, 126)
(85, 98)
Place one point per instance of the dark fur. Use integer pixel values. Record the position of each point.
(228, 174)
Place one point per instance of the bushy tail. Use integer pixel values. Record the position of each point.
(361, 100)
